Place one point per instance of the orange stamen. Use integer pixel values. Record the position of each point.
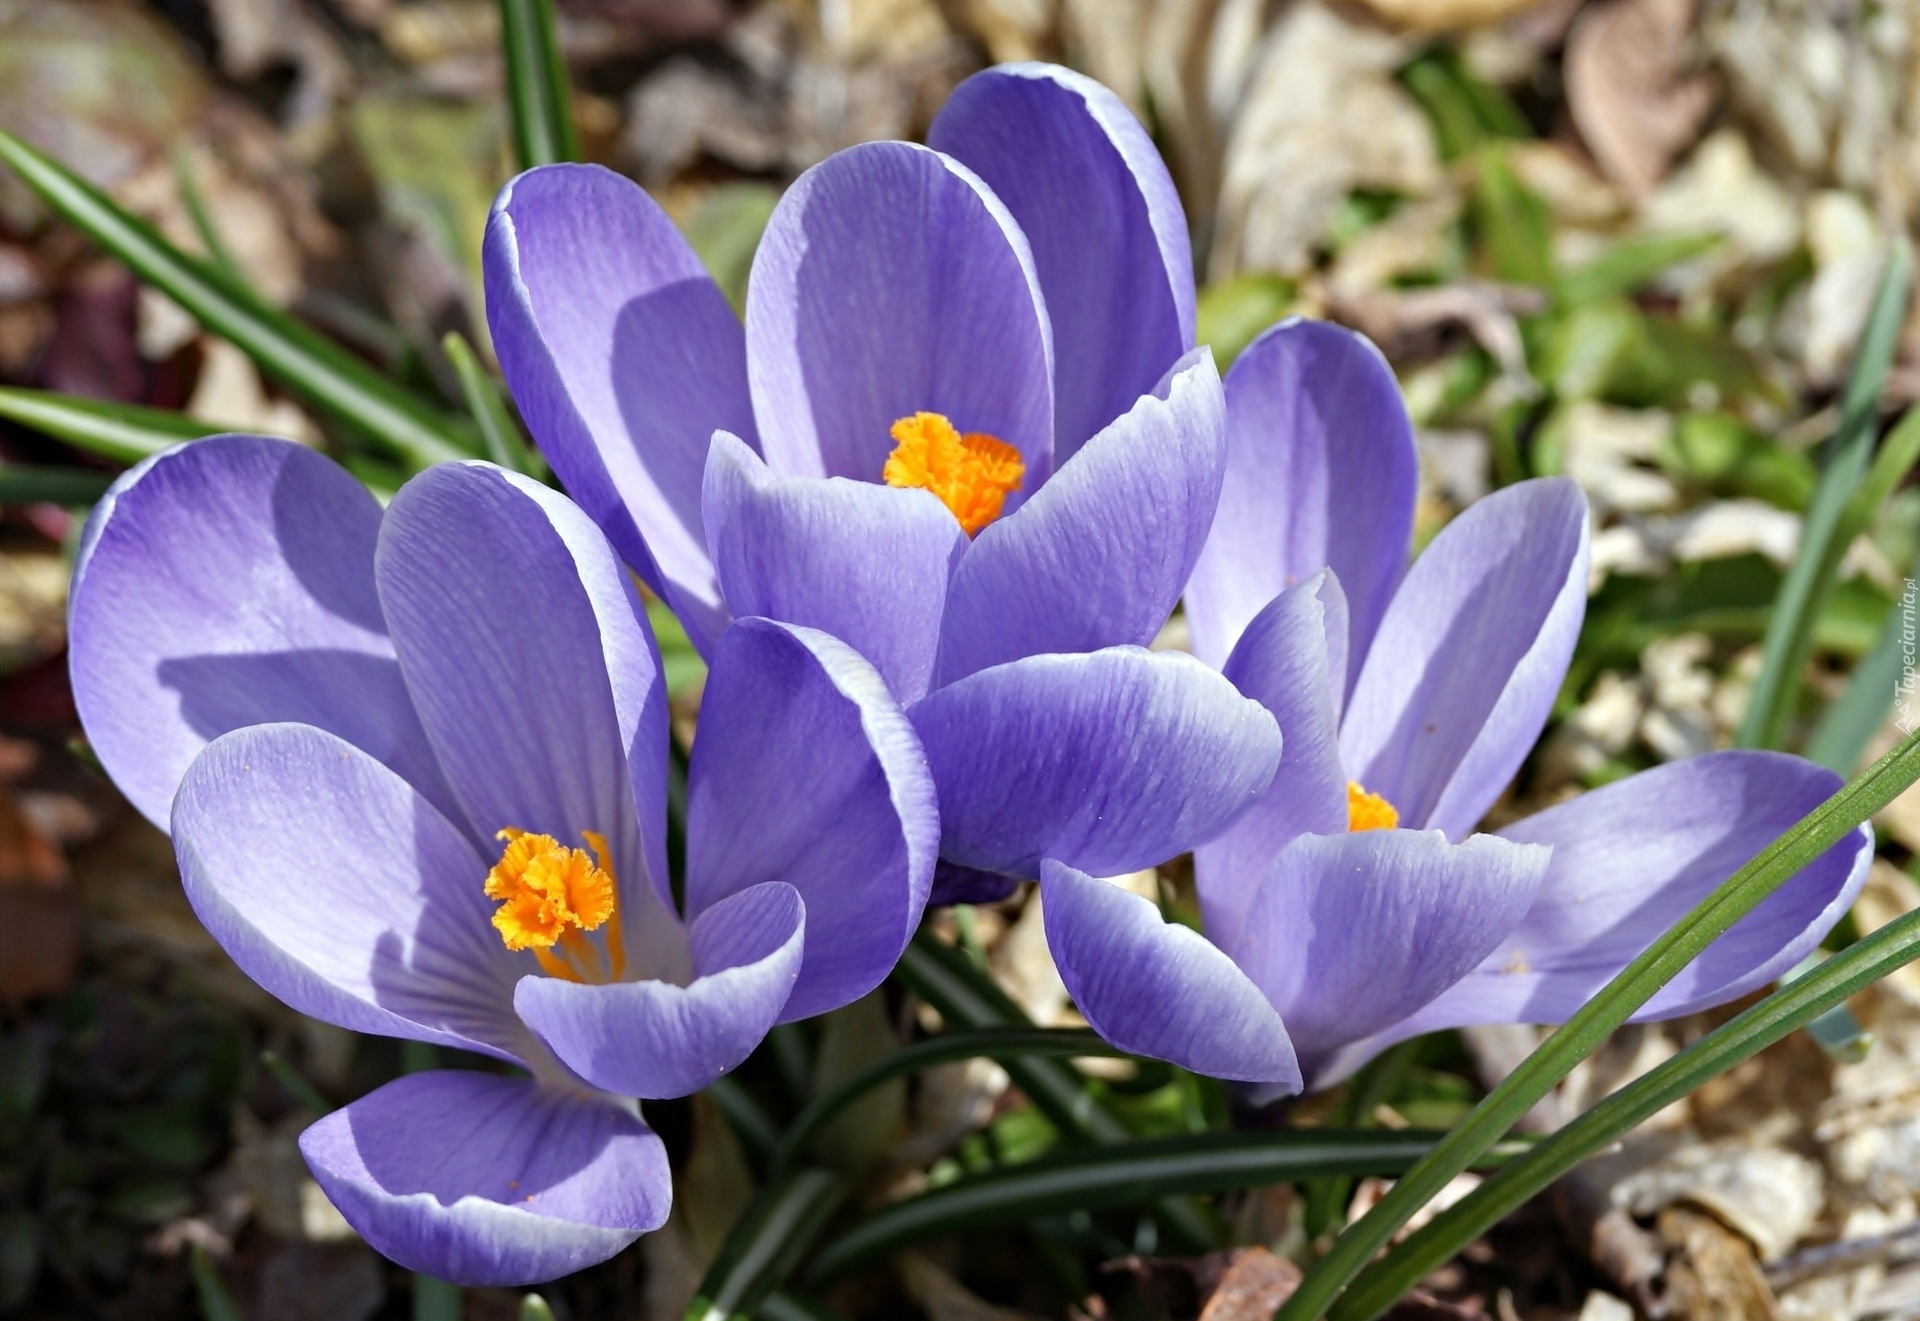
(972, 474)
(1367, 811)
(549, 895)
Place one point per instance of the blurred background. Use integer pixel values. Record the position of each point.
(1633, 241)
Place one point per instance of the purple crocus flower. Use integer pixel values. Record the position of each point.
(1411, 702)
(415, 766)
(963, 428)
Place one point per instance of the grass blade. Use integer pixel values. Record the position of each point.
(1000, 1044)
(766, 1245)
(1802, 1001)
(1131, 1174)
(543, 130)
(435, 1299)
(1809, 580)
(796, 1307)
(287, 350)
(498, 432)
(1848, 726)
(28, 484)
(1582, 1034)
(216, 1303)
(127, 433)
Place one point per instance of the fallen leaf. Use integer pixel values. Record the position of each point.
(1629, 89)
(1255, 1283)
(1713, 1276)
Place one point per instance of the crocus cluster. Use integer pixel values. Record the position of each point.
(963, 428)
(415, 766)
(1352, 906)
(921, 514)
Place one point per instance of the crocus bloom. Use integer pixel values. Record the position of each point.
(1352, 906)
(415, 767)
(963, 428)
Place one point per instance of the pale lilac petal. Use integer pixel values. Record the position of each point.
(624, 358)
(805, 771)
(654, 1039)
(863, 562)
(1321, 473)
(1284, 661)
(1351, 933)
(1109, 237)
(1108, 762)
(1157, 988)
(484, 1180)
(1470, 657)
(229, 582)
(891, 281)
(342, 891)
(1098, 556)
(528, 654)
(1633, 857)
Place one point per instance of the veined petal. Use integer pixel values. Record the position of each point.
(1464, 670)
(342, 891)
(863, 562)
(1108, 762)
(1321, 473)
(1109, 237)
(654, 1039)
(484, 1180)
(529, 657)
(1351, 933)
(1633, 857)
(805, 771)
(1287, 660)
(1098, 556)
(892, 281)
(624, 358)
(1157, 988)
(229, 582)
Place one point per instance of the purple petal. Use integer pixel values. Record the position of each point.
(891, 281)
(624, 358)
(1321, 473)
(1158, 988)
(1098, 556)
(653, 1039)
(1350, 933)
(1471, 654)
(1286, 662)
(342, 891)
(1630, 859)
(860, 561)
(1108, 762)
(226, 583)
(484, 1180)
(1109, 238)
(805, 771)
(530, 660)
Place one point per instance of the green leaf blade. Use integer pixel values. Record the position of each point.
(1823, 535)
(286, 349)
(543, 129)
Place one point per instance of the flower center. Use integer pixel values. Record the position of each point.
(551, 895)
(971, 474)
(1367, 811)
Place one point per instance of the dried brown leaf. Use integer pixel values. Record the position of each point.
(1630, 90)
